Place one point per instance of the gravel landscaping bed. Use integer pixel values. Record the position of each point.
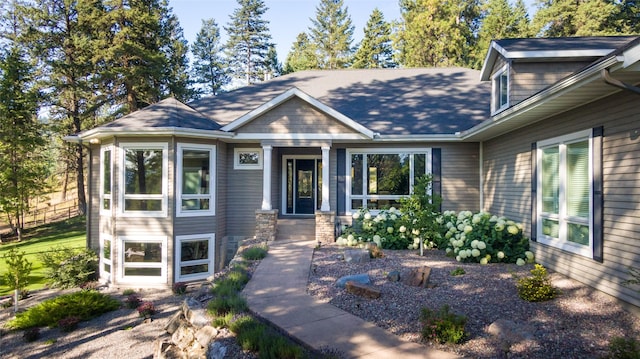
(579, 323)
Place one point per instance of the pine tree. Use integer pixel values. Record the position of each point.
(249, 40)
(272, 67)
(500, 20)
(332, 34)
(302, 55)
(555, 18)
(626, 19)
(375, 50)
(434, 33)
(209, 68)
(176, 81)
(23, 166)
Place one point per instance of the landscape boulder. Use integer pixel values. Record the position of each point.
(358, 278)
(510, 332)
(363, 290)
(356, 256)
(417, 277)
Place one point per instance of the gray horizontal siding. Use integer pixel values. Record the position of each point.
(244, 197)
(460, 176)
(506, 168)
(528, 78)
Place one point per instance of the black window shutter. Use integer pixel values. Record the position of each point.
(341, 172)
(534, 192)
(598, 198)
(436, 173)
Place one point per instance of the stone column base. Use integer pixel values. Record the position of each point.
(325, 227)
(266, 224)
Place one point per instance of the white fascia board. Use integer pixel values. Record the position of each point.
(490, 59)
(300, 136)
(98, 133)
(631, 57)
(421, 138)
(305, 97)
(557, 53)
(588, 75)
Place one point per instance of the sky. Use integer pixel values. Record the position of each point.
(287, 18)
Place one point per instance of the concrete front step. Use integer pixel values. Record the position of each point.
(296, 228)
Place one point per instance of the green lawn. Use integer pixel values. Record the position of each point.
(69, 233)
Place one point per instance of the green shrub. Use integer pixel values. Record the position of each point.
(257, 337)
(128, 292)
(223, 321)
(537, 287)
(442, 326)
(624, 348)
(255, 253)
(83, 304)
(68, 267)
(458, 271)
(220, 306)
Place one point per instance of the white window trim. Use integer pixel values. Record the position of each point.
(142, 279)
(395, 150)
(165, 175)
(562, 242)
(211, 237)
(102, 195)
(212, 178)
(105, 275)
(495, 89)
(243, 166)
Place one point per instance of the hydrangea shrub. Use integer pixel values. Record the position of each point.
(483, 238)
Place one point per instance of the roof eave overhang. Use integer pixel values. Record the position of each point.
(266, 107)
(420, 138)
(512, 118)
(97, 134)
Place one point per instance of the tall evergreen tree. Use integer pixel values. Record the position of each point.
(23, 166)
(272, 67)
(176, 81)
(332, 34)
(302, 55)
(375, 50)
(555, 18)
(626, 19)
(434, 33)
(249, 40)
(66, 40)
(209, 69)
(500, 20)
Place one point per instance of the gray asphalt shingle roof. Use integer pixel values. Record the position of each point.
(388, 101)
(565, 43)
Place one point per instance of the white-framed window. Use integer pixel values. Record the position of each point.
(105, 256)
(247, 158)
(144, 179)
(143, 259)
(565, 192)
(195, 180)
(377, 178)
(106, 179)
(500, 89)
(195, 256)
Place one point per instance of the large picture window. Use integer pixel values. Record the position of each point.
(379, 178)
(144, 259)
(144, 179)
(565, 193)
(194, 256)
(106, 178)
(196, 169)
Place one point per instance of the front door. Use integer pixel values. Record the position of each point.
(302, 183)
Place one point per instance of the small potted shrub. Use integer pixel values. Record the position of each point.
(146, 309)
(179, 288)
(68, 324)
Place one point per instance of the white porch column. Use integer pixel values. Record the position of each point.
(325, 179)
(266, 177)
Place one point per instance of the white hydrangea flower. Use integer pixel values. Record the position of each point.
(415, 232)
(367, 215)
(529, 255)
(392, 210)
(513, 229)
(500, 255)
(520, 262)
(481, 245)
(484, 261)
(389, 230)
(468, 229)
(474, 243)
(458, 258)
(356, 215)
(403, 229)
(393, 217)
(448, 250)
(475, 252)
(350, 237)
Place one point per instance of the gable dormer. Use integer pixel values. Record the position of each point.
(520, 68)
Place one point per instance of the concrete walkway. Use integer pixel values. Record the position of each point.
(277, 293)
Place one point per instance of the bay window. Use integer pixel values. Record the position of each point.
(106, 177)
(144, 179)
(195, 180)
(565, 193)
